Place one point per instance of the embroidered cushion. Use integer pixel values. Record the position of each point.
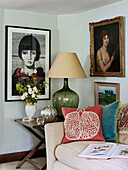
(123, 124)
(82, 124)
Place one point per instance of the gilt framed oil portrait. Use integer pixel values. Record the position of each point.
(107, 48)
(106, 93)
(27, 51)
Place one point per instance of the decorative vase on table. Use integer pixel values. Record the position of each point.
(49, 113)
(30, 86)
(30, 110)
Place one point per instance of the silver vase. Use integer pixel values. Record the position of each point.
(49, 113)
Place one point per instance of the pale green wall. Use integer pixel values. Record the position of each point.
(13, 137)
(69, 33)
(75, 36)
(1, 71)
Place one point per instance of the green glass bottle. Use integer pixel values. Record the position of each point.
(65, 98)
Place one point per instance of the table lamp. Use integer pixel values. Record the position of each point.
(66, 65)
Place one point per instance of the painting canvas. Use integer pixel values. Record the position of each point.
(107, 48)
(106, 93)
(19, 41)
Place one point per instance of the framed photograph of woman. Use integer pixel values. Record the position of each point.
(107, 48)
(106, 93)
(27, 51)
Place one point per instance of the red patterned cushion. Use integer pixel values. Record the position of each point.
(82, 124)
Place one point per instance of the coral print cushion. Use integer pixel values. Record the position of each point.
(82, 124)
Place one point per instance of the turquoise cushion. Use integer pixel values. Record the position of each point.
(109, 121)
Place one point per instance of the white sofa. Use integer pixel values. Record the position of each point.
(65, 156)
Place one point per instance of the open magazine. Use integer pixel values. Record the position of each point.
(105, 151)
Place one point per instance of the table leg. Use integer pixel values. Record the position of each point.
(34, 133)
(45, 166)
(29, 155)
(36, 164)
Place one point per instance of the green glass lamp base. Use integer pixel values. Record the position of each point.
(65, 98)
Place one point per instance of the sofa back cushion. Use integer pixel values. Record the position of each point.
(82, 124)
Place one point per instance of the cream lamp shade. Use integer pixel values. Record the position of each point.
(66, 65)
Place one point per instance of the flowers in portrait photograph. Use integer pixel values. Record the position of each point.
(29, 86)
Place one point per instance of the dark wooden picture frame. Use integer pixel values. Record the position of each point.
(114, 29)
(106, 93)
(13, 37)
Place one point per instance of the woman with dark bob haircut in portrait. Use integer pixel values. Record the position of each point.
(104, 60)
(29, 52)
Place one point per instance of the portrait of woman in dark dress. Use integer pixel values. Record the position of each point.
(107, 48)
(28, 52)
(104, 60)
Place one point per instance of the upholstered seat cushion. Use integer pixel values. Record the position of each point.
(68, 154)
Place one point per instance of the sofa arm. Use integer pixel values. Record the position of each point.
(54, 133)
